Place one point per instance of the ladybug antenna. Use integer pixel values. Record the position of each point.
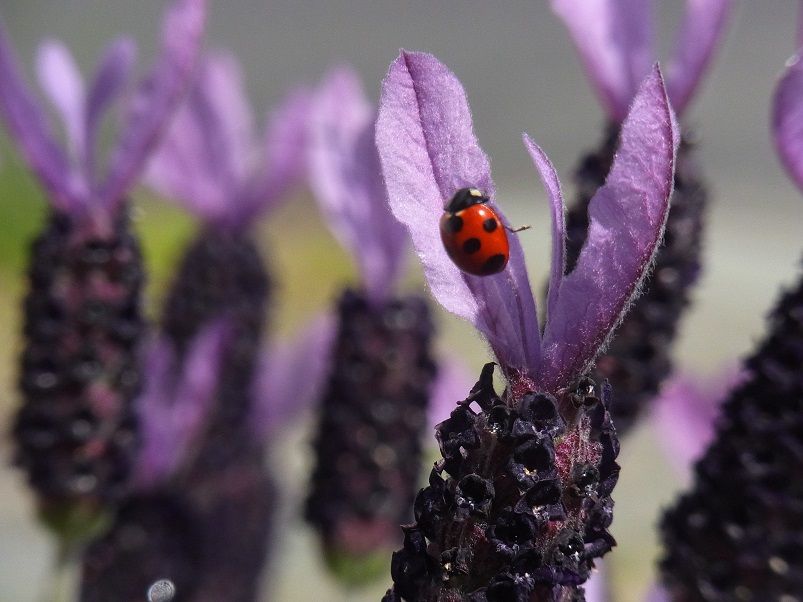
(519, 229)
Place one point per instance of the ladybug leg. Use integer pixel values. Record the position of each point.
(519, 229)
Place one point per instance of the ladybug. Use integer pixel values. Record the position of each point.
(473, 235)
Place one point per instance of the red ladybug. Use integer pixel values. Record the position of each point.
(473, 235)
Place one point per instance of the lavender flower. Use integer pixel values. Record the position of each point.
(519, 506)
(381, 370)
(76, 432)
(155, 530)
(615, 39)
(735, 534)
(212, 163)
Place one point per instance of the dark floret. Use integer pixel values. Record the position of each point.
(76, 432)
(519, 507)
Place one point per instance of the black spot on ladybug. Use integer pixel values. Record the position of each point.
(454, 224)
(493, 264)
(472, 245)
(490, 224)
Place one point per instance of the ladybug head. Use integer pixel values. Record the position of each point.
(464, 198)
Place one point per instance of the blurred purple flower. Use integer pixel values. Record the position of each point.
(548, 433)
(214, 164)
(684, 414)
(734, 532)
(787, 116)
(73, 179)
(279, 392)
(175, 403)
(76, 432)
(380, 375)
(616, 42)
(347, 181)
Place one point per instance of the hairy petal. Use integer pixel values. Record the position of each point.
(345, 174)
(701, 30)
(176, 402)
(28, 126)
(157, 96)
(615, 40)
(428, 151)
(291, 376)
(61, 80)
(627, 217)
(549, 178)
(787, 120)
(111, 76)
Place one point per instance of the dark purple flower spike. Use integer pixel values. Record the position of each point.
(615, 39)
(380, 373)
(520, 504)
(735, 533)
(76, 432)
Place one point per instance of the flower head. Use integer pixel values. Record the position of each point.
(213, 162)
(73, 176)
(428, 152)
(520, 504)
(615, 39)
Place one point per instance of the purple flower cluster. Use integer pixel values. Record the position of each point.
(146, 444)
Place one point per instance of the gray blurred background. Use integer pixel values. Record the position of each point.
(521, 73)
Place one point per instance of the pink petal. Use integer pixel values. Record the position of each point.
(224, 88)
(787, 120)
(615, 41)
(596, 588)
(111, 77)
(191, 165)
(28, 126)
(285, 148)
(627, 217)
(292, 375)
(176, 402)
(700, 32)
(61, 80)
(549, 178)
(452, 384)
(346, 177)
(685, 411)
(428, 151)
(657, 593)
(157, 96)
